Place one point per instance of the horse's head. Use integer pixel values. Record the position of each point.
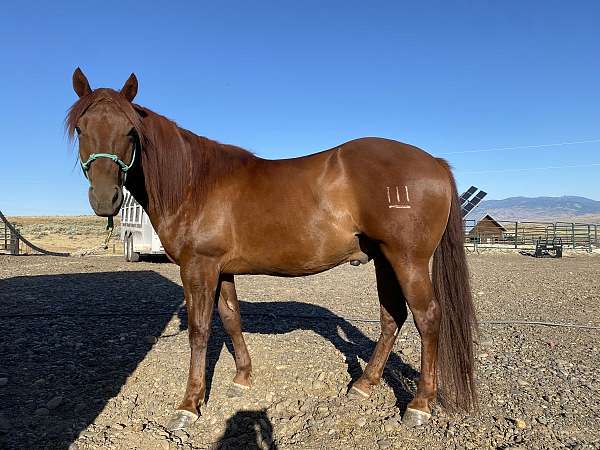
(106, 126)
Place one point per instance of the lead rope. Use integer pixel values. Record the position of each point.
(109, 231)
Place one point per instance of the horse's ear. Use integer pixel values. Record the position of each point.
(80, 83)
(129, 89)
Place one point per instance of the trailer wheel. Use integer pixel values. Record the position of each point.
(133, 256)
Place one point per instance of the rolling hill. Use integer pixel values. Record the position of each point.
(566, 208)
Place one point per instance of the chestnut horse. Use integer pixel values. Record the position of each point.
(221, 211)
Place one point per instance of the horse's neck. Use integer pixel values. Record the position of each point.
(213, 168)
(146, 193)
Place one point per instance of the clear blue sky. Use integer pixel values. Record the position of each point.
(287, 78)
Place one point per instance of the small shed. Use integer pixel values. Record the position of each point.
(487, 230)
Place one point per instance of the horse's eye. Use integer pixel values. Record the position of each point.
(78, 130)
(132, 135)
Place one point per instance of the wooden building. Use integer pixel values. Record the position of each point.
(487, 231)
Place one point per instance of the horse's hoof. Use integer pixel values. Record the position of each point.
(356, 394)
(415, 418)
(236, 390)
(181, 420)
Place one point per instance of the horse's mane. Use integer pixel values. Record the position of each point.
(175, 161)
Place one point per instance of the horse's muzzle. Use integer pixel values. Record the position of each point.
(106, 201)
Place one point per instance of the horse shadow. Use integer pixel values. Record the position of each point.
(64, 354)
(70, 341)
(280, 317)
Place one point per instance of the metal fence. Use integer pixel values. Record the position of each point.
(4, 236)
(525, 235)
(12, 241)
(9, 242)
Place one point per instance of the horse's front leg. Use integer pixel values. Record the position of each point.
(200, 280)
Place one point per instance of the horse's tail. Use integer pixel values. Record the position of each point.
(452, 290)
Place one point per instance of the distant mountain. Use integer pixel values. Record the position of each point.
(540, 208)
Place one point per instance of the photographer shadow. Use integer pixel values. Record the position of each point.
(248, 430)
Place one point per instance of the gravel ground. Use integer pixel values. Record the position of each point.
(94, 354)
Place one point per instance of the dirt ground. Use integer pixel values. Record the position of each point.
(94, 354)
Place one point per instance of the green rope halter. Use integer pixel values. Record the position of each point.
(85, 166)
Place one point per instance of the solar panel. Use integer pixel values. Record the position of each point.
(469, 205)
(467, 194)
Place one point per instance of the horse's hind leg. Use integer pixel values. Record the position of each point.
(393, 314)
(229, 310)
(413, 276)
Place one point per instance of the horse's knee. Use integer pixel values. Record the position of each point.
(198, 337)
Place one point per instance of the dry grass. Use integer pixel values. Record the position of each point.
(66, 233)
(590, 218)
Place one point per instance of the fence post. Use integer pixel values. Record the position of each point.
(14, 244)
(573, 233)
(516, 234)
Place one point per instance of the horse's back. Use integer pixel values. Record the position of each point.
(392, 154)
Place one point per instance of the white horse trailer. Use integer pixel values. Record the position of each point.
(137, 233)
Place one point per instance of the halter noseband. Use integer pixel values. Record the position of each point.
(85, 166)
